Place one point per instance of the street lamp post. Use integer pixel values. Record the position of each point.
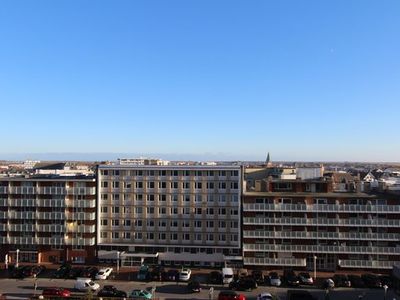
(385, 287)
(118, 261)
(17, 259)
(315, 268)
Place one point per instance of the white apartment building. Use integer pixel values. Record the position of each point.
(171, 214)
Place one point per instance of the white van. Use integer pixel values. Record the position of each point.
(86, 284)
(227, 275)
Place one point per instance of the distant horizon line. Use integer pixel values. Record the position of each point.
(113, 156)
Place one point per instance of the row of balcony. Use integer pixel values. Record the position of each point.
(322, 235)
(349, 208)
(47, 241)
(369, 264)
(321, 249)
(322, 222)
(48, 203)
(48, 228)
(292, 262)
(31, 215)
(48, 190)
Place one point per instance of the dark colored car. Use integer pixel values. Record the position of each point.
(89, 272)
(243, 284)
(62, 271)
(230, 295)
(158, 273)
(56, 292)
(386, 280)
(371, 280)
(215, 277)
(194, 286)
(305, 278)
(290, 278)
(172, 275)
(341, 280)
(258, 276)
(299, 295)
(33, 271)
(74, 273)
(111, 291)
(356, 281)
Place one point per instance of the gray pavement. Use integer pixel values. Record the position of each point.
(171, 290)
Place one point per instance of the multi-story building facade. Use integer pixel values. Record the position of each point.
(170, 214)
(323, 220)
(47, 218)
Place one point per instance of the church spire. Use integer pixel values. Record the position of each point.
(268, 160)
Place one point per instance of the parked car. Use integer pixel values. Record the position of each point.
(143, 273)
(264, 296)
(184, 274)
(111, 291)
(305, 278)
(243, 284)
(74, 273)
(18, 272)
(356, 281)
(386, 280)
(62, 271)
(227, 275)
(140, 294)
(274, 279)
(103, 273)
(86, 284)
(258, 276)
(56, 292)
(194, 286)
(172, 275)
(158, 273)
(371, 280)
(89, 272)
(328, 284)
(34, 271)
(230, 295)
(341, 280)
(299, 295)
(290, 278)
(215, 277)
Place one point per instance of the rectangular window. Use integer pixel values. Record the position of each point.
(115, 184)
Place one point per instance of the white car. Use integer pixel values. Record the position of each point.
(264, 296)
(85, 284)
(274, 279)
(104, 273)
(184, 274)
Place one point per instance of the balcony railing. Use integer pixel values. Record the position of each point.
(50, 240)
(50, 228)
(3, 214)
(80, 216)
(73, 227)
(294, 262)
(3, 202)
(80, 241)
(17, 240)
(321, 249)
(50, 215)
(351, 208)
(371, 264)
(322, 235)
(81, 203)
(30, 190)
(50, 203)
(51, 190)
(22, 202)
(21, 215)
(3, 190)
(21, 227)
(3, 227)
(3, 240)
(82, 191)
(322, 222)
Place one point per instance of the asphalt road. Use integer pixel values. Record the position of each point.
(171, 290)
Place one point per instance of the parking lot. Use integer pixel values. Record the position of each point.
(127, 281)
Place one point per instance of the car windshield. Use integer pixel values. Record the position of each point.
(91, 283)
(101, 273)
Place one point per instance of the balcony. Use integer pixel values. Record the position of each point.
(350, 208)
(50, 240)
(3, 202)
(293, 262)
(22, 215)
(80, 241)
(50, 215)
(51, 190)
(81, 191)
(24, 190)
(3, 227)
(81, 216)
(22, 227)
(3, 190)
(367, 264)
(22, 202)
(322, 222)
(3, 214)
(320, 249)
(4, 240)
(322, 235)
(50, 203)
(50, 228)
(19, 240)
(73, 227)
(81, 203)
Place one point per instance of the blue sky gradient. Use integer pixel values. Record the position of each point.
(305, 80)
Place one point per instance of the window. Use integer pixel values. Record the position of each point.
(115, 184)
(104, 222)
(162, 210)
(115, 222)
(150, 197)
(283, 186)
(210, 173)
(198, 198)
(127, 185)
(222, 211)
(186, 185)
(127, 235)
(104, 184)
(174, 185)
(150, 184)
(186, 237)
(221, 224)
(174, 236)
(162, 236)
(222, 237)
(104, 197)
(128, 223)
(174, 210)
(104, 235)
(198, 211)
(210, 224)
(210, 185)
(186, 210)
(210, 198)
(174, 223)
(115, 235)
(198, 224)
(186, 223)
(138, 210)
(115, 209)
(222, 173)
(104, 209)
(150, 223)
(163, 185)
(210, 211)
(139, 184)
(150, 210)
(234, 185)
(138, 223)
(162, 223)
(104, 172)
(174, 198)
(163, 197)
(235, 173)
(150, 173)
(198, 185)
(138, 236)
(115, 197)
(222, 198)
(175, 173)
(222, 185)
(210, 237)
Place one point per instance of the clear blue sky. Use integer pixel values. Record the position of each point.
(305, 80)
